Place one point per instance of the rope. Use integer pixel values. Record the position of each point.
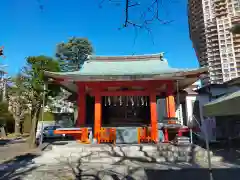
(178, 97)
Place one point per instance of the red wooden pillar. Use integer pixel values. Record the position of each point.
(170, 102)
(81, 121)
(97, 113)
(154, 125)
(171, 110)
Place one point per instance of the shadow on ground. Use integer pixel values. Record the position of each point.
(4, 142)
(193, 174)
(132, 168)
(17, 167)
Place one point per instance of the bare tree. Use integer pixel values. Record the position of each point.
(17, 102)
(146, 13)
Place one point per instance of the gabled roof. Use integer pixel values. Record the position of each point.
(123, 68)
(126, 65)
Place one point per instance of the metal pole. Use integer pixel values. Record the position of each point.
(191, 136)
(208, 154)
(42, 119)
(208, 149)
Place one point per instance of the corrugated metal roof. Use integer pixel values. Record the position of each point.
(224, 106)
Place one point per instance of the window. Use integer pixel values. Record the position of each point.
(225, 65)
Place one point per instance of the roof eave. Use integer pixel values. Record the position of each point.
(74, 76)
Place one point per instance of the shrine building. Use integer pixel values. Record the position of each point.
(116, 97)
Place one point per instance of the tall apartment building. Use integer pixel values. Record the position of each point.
(215, 46)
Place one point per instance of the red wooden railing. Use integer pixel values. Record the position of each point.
(144, 135)
(80, 135)
(107, 135)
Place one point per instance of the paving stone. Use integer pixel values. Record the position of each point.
(148, 148)
(160, 159)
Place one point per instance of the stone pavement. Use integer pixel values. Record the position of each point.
(134, 162)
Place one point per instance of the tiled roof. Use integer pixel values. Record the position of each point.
(126, 65)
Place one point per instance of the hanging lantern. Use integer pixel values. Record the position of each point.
(109, 100)
(137, 99)
(120, 101)
(132, 101)
(115, 98)
(142, 101)
(105, 100)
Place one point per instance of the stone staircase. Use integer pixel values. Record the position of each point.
(109, 154)
(124, 154)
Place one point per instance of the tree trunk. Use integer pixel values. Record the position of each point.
(17, 126)
(2, 132)
(21, 127)
(32, 138)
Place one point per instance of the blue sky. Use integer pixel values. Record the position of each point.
(27, 31)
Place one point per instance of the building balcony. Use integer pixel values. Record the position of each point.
(216, 63)
(236, 40)
(214, 55)
(235, 20)
(221, 14)
(211, 25)
(211, 30)
(214, 45)
(216, 71)
(219, 1)
(220, 8)
(237, 59)
(236, 46)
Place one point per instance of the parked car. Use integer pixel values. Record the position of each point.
(48, 132)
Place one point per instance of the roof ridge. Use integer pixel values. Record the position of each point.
(145, 57)
(135, 55)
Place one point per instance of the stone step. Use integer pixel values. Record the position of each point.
(103, 147)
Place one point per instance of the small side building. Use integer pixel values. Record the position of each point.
(193, 100)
